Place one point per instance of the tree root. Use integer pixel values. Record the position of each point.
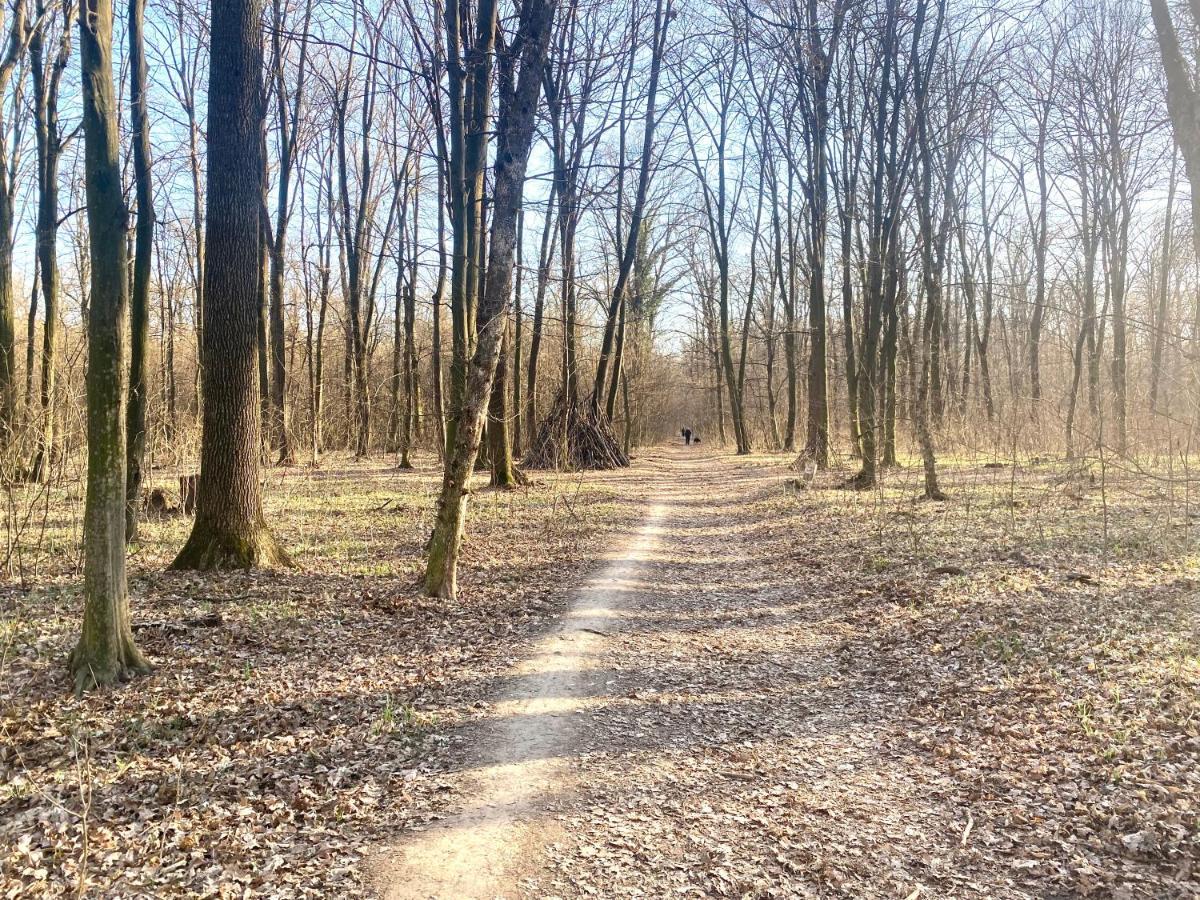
(863, 481)
(208, 550)
(519, 480)
(87, 673)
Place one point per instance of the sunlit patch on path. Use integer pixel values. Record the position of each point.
(523, 752)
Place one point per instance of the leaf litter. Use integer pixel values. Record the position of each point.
(803, 694)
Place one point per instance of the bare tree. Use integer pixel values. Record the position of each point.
(519, 90)
(106, 651)
(230, 529)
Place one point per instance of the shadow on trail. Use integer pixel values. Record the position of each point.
(704, 643)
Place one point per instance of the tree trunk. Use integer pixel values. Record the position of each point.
(518, 409)
(499, 434)
(264, 340)
(230, 529)
(49, 151)
(289, 130)
(8, 328)
(143, 246)
(629, 251)
(815, 77)
(545, 259)
(439, 295)
(106, 651)
(1164, 292)
(514, 130)
(412, 381)
(788, 283)
(1183, 103)
(280, 426)
(890, 357)
(31, 333)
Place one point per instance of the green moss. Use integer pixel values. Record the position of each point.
(209, 548)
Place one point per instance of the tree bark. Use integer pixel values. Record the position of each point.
(1183, 104)
(289, 115)
(106, 651)
(514, 130)
(49, 151)
(545, 260)
(499, 434)
(8, 335)
(1164, 292)
(230, 529)
(143, 247)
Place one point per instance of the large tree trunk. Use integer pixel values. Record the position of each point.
(106, 651)
(230, 529)
(1183, 103)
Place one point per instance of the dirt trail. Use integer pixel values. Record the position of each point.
(523, 752)
(702, 723)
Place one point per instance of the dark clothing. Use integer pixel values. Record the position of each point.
(687, 436)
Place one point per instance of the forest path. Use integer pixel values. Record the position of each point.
(565, 703)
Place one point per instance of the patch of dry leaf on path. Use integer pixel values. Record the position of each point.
(284, 729)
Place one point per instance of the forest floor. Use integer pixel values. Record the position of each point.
(688, 678)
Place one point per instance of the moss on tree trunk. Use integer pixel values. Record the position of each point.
(214, 545)
(106, 651)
